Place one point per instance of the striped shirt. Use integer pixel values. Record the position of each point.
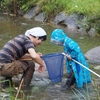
(14, 49)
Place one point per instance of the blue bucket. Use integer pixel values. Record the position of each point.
(54, 64)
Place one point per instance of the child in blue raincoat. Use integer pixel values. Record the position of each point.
(76, 73)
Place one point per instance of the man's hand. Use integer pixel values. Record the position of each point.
(40, 69)
(40, 54)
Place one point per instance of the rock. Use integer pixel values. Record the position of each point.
(70, 22)
(32, 13)
(92, 32)
(60, 18)
(40, 17)
(93, 55)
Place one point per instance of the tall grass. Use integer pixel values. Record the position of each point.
(52, 7)
(88, 7)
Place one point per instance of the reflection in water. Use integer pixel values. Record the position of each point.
(12, 26)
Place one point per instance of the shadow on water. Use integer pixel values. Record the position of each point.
(12, 26)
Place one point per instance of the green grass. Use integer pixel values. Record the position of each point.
(87, 7)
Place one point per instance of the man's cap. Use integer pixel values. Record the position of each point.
(37, 32)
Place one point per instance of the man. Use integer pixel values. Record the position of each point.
(19, 48)
(76, 73)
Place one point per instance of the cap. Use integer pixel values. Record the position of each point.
(37, 32)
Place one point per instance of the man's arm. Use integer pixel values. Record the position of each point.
(37, 58)
(26, 57)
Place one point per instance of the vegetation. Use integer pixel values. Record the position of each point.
(88, 8)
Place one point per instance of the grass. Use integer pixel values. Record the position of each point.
(52, 7)
(86, 7)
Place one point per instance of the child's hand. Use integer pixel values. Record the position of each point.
(69, 57)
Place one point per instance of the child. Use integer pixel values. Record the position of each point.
(76, 73)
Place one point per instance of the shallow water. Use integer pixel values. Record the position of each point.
(12, 26)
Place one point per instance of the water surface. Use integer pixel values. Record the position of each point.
(13, 26)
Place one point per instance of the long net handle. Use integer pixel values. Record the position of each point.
(83, 66)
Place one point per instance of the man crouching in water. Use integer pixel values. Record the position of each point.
(21, 47)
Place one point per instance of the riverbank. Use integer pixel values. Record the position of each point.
(84, 19)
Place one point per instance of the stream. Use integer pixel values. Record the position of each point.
(41, 87)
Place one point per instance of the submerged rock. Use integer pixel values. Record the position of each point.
(97, 67)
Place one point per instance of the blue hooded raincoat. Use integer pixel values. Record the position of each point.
(81, 74)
